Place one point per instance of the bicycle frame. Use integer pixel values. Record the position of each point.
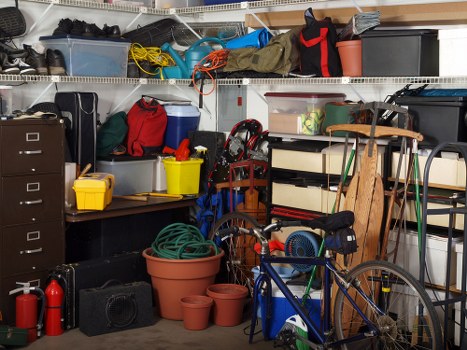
(320, 332)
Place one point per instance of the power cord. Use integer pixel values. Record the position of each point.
(211, 62)
(153, 54)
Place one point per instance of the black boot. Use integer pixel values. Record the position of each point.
(55, 62)
(36, 60)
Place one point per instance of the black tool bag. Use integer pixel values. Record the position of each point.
(12, 22)
(318, 51)
(80, 108)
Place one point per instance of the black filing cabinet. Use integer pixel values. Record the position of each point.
(32, 205)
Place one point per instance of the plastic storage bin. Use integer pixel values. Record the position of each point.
(180, 120)
(131, 177)
(94, 191)
(90, 56)
(438, 119)
(452, 51)
(298, 112)
(182, 176)
(413, 52)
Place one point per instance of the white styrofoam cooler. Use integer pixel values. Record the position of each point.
(459, 255)
(452, 51)
(436, 256)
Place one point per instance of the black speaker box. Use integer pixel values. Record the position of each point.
(115, 308)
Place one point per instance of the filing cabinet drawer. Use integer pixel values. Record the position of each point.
(34, 247)
(31, 148)
(28, 199)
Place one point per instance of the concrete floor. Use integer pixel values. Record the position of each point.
(163, 335)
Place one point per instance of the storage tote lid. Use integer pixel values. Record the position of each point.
(395, 32)
(304, 94)
(182, 111)
(100, 181)
(458, 33)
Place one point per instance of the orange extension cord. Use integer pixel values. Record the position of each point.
(212, 61)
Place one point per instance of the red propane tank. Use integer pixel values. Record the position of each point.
(53, 309)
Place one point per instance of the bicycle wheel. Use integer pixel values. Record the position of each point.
(399, 296)
(240, 257)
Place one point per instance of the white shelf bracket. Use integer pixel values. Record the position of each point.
(258, 93)
(245, 6)
(141, 11)
(180, 19)
(359, 9)
(117, 107)
(39, 20)
(38, 98)
(194, 101)
(357, 93)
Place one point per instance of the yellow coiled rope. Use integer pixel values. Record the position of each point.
(153, 55)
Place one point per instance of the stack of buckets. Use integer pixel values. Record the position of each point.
(182, 176)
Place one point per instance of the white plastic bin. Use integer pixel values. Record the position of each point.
(131, 177)
(452, 51)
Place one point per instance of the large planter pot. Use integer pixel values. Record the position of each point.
(173, 279)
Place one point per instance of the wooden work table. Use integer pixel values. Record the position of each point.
(124, 225)
(121, 207)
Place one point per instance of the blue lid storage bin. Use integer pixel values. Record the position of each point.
(91, 56)
(180, 120)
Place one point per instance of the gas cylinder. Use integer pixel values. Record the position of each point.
(53, 310)
(27, 308)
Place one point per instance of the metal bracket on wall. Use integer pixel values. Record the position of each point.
(142, 10)
(245, 5)
(38, 98)
(39, 20)
(142, 81)
(181, 20)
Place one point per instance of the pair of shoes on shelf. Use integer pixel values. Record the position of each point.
(15, 66)
(45, 62)
(81, 28)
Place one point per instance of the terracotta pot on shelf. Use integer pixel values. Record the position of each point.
(196, 310)
(173, 279)
(229, 300)
(350, 53)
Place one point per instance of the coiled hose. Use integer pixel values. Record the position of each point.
(182, 241)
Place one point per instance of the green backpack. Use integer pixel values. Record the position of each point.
(111, 134)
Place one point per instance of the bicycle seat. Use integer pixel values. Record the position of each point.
(333, 222)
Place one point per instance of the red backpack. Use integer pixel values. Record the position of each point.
(147, 121)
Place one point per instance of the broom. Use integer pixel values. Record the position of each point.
(295, 325)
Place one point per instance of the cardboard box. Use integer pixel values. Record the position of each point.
(288, 195)
(94, 191)
(333, 157)
(436, 256)
(442, 171)
(297, 160)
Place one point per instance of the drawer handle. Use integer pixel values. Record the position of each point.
(30, 251)
(39, 151)
(37, 201)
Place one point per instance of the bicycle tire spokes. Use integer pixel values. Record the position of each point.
(391, 300)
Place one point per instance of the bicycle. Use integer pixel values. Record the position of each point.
(378, 305)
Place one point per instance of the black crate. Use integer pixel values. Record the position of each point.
(400, 53)
(438, 119)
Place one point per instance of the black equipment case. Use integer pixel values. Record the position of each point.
(80, 112)
(125, 267)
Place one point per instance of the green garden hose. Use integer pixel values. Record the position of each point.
(182, 241)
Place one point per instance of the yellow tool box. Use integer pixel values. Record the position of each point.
(94, 191)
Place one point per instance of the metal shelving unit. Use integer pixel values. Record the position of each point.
(182, 11)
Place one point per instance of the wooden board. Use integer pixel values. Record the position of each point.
(392, 15)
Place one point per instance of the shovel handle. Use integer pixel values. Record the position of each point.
(380, 131)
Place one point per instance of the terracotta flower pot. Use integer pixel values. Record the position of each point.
(350, 53)
(173, 279)
(229, 300)
(196, 310)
